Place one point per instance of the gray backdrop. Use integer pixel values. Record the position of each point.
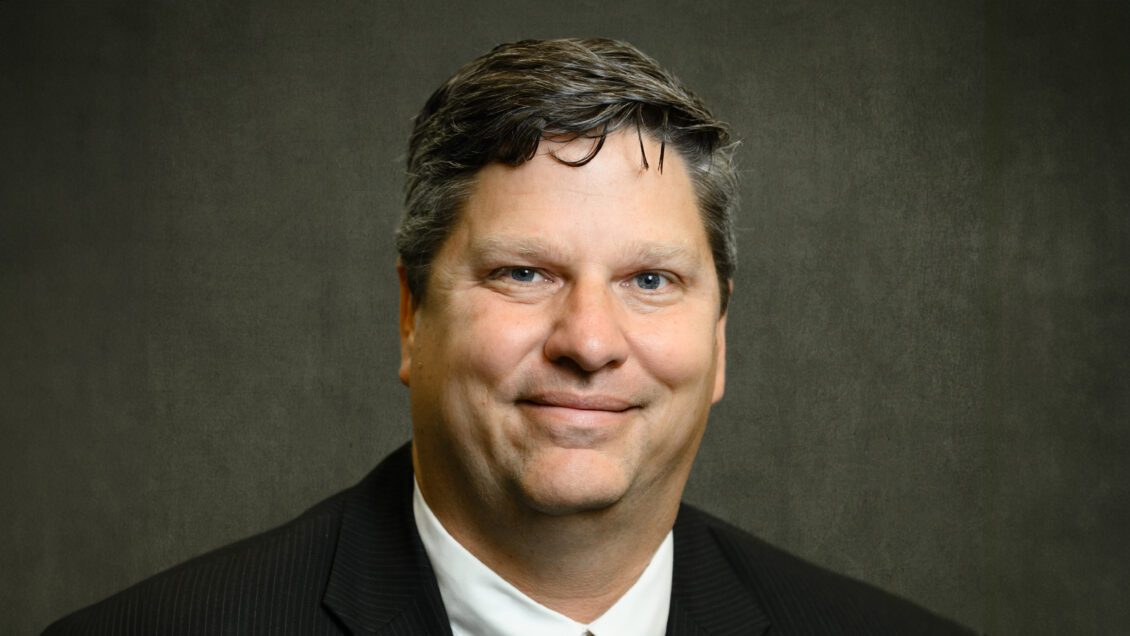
(928, 363)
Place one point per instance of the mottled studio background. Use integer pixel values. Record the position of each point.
(929, 365)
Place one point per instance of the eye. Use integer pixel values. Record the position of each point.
(519, 274)
(651, 280)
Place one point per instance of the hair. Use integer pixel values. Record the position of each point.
(499, 107)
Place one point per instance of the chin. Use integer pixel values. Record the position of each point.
(573, 481)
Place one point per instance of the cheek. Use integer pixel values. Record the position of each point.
(677, 352)
(492, 340)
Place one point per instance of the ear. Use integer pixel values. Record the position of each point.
(720, 354)
(407, 323)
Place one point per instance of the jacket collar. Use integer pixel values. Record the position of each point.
(707, 595)
(381, 582)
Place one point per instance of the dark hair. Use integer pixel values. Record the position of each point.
(499, 107)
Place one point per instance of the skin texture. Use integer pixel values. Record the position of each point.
(562, 368)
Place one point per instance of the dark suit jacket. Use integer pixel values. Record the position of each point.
(354, 564)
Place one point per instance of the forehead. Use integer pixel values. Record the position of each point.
(613, 196)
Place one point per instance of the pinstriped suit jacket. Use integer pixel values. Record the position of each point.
(354, 564)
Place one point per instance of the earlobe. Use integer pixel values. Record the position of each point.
(407, 324)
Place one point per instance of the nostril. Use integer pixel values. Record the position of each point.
(571, 367)
(585, 355)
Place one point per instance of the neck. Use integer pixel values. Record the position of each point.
(578, 565)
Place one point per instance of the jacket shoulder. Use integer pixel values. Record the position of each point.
(268, 583)
(801, 597)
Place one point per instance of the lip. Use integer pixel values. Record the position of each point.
(595, 402)
(575, 420)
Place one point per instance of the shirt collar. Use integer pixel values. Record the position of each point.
(478, 601)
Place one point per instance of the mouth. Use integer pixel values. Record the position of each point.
(596, 403)
(578, 420)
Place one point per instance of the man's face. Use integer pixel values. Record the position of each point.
(570, 345)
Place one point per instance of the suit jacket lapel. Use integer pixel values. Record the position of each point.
(707, 596)
(381, 581)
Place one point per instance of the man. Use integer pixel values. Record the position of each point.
(566, 258)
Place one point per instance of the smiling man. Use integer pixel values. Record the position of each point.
(566, 258)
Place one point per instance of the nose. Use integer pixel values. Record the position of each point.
(588, 329)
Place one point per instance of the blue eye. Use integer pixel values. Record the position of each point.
(650, 280)
(522, 274)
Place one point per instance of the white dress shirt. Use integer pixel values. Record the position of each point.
(481, 603)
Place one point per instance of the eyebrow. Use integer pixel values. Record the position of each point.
(645, 253)
(650, 252)
(488, 247)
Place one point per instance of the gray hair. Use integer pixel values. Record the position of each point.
(500, 106)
